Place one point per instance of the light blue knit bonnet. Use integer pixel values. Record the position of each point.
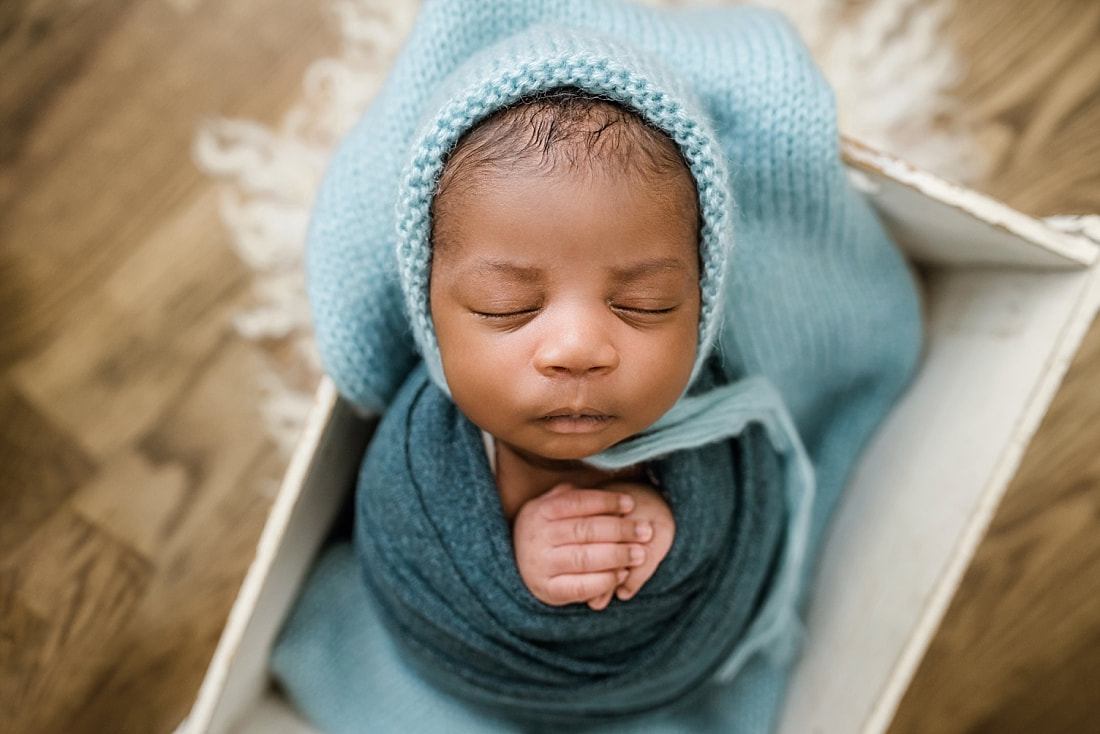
(814, 315)
(539, 59)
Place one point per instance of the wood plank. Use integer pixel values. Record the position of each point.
(45, 45)
(75, 589)
(139, 336)
(109, 158)
(23, 635)
(117, 285)
(1034, 86)
(217, 469)
(40, 467)
(151, 509)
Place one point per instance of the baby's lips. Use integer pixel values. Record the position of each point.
(571, 412)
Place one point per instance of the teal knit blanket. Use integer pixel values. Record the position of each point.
(807, 307)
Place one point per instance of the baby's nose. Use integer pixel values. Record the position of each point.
(579, 348)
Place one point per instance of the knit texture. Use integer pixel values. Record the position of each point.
(813, 302)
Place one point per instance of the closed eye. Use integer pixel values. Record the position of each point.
(634, 309)
(640, 317)
(506, 315)
(644, 311)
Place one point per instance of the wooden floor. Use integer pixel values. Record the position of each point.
(134, 471)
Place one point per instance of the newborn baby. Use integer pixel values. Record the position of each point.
(565, 299)
(514, 566)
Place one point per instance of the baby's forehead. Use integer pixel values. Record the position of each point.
(534, 230)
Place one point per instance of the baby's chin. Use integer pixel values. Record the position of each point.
(567, 454)
(559, 455)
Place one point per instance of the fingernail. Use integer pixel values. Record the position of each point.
(637, 556)
(623, 594)
(643, 530)
(626, 503)
(622, 575)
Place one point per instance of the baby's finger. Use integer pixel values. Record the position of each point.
(561, 504)
(593, 557)
(599, 529)
(580, 587)
(635, 580)
(601, 602)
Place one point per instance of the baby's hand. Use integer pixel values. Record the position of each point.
(649, 507)
(575, 545)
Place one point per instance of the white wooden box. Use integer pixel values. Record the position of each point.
(1008, 301)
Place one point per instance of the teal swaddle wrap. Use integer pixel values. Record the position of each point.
(809, 316)
(436, 553)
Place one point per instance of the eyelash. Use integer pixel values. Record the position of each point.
(489, 316)
(646, 311)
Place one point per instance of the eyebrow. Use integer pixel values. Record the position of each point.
(645, 268)
(483, 266)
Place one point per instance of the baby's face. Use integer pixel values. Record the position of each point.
(566, 308)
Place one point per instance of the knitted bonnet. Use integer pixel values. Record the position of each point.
(817, 300)
(539, 59)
